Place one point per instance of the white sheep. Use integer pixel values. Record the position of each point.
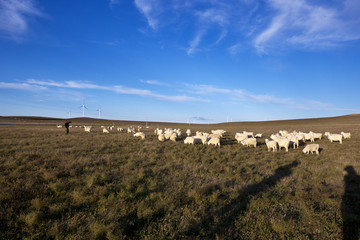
(249, 142)
(259, 135)
(240, 137)
(59, 126)
(121, 129)
(282, 142)
(295, 141)
(346, 135)
(248, 133)
(311, 148)
(87, 128)
(173, 137)
(140, 134)
(218, 131)
(189, 140)
(214, 141)
(188, 132)
(271, 145)
(309, 136)
(316, 135)
(334, 137)
(105, 130)
(161, 137)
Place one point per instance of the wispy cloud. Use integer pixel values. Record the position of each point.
(155, 82)
(193, 45)
(36, 85)
(150, 9)
(265, 25)
(22, 86)
(302, 24)
(15, 16)
(243, 96)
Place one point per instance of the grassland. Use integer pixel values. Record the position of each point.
(115, 186)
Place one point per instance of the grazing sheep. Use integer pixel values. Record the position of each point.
(140, 134)
(249, 141)
(189, 140)
(173, 137)
(334, 137)
(282, 142)
(271, 145)
(214, 141)
(259, 135)
(59, 126)
(218, 131)
(311, 148)
(316, 135)
(161, 137)
(295, 141)
(248, 133)
(240, 137)
(87, 128)
(121, 129)
(346, 135)
(204, 139)
(188, 132)
(309, 136)
(284, 133)
(105, 130)
(213, 135)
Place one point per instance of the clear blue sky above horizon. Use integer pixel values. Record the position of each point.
(201, 61)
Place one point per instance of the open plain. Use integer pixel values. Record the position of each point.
(116, 186)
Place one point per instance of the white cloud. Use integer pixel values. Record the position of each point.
(154, 82)
(195, 42)
(33, 84)
(15, 16)
(150, 10)
(21, 86)
(300, 24)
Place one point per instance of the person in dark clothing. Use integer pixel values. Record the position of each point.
(67, 125)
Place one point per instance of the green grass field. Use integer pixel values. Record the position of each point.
(115, 186)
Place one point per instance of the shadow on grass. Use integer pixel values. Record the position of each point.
(350, 206)
(227, 215)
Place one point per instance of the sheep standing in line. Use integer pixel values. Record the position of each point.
(295, 141)
(316, 135)
(311, 148)
(346, 135)
(283, 142)
(105, 130)
(271, 145)
(334, 137)
(189, 140)
(214, 141)
(240, 137)
(249, 142)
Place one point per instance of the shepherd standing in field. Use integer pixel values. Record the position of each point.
(67, 125)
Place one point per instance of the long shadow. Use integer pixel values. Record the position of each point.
(350, 206)
(227, 215)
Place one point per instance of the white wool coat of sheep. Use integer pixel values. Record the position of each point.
(249, 142)
(311, 148)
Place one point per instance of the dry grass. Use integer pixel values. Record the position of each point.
(115, 186)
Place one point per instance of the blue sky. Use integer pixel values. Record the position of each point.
(202, 61)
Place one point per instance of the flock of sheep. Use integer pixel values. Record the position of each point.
(282, 139)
